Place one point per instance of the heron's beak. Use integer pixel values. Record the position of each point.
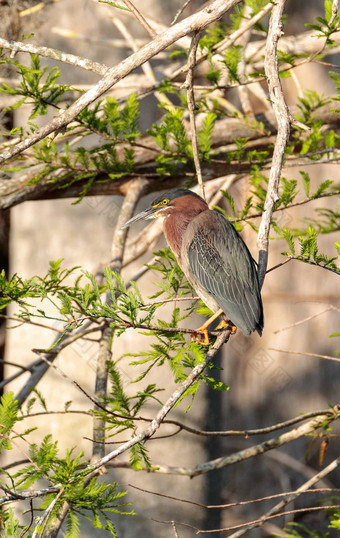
(144, 215)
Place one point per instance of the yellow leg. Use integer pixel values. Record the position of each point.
(203, 329)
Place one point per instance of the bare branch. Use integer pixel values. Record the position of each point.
(179, 12)
(255, 450)
(328, 309)
(305, 354)
(283, 118)
(55, 54)
(147, 69)
(236, 503)
(43, 520)
(335, 8)
(191, 107)
(194, 23)
(278, 507)
(140, 17)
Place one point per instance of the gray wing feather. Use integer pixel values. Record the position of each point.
(222, 263)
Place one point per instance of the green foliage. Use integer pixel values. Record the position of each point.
(325, 28)
(173, 281)
(38, 87)
(232, 59)
(309, 250)
(287, 235)
(87, 498)
(288, 192)
(114, 4)
(8, 417)
(10, 523)
(172, 138)
(212, 36)
(205, 134)
(309, 103)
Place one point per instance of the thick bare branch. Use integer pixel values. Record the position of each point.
(191, 107)
(283, 122)
(194, 23)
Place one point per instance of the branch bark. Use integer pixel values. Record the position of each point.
(55, 54)
(283, 121)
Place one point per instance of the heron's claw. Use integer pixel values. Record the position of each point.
(227, 324)
(200, 336)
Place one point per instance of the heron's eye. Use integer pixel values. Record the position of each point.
(165, 202)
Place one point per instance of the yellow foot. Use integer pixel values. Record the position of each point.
(200, 336)
(226, 323)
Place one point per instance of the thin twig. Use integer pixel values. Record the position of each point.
(191, 107)
(237, 503)
(29, 494)
(328, 309)
(179, 12)
(140, 17)
(278, 507)
(278, 265)
(27, 528)
(305, 354)
(174, 529)
(55, 54)
(252, 524)
(243, 91)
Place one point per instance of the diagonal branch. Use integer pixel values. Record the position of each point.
(169, 404)
(140, 17)
(95, 467)
(289, 498)
(194, 23)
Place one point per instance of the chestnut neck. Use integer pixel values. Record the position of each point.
(177, 219)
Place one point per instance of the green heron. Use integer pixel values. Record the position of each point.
(213, 257)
